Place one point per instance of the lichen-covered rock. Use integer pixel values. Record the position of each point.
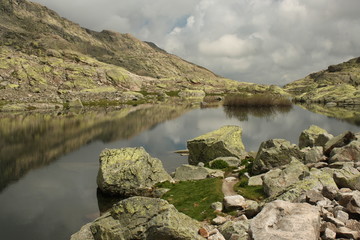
(223, 142)
(190, 172)
(129, 172)
(145, 218)
(275, 153)
(234, 202)
(277, 180)
(192, 93)
(313, 155)
(84, 233)
(350, 152)
(338, 142)
(315, 181)
(256, 180)
(314, 136)
(347, 177)
(235, 230)
(284, 220)
(351, 201)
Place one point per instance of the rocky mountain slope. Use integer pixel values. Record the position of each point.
(337, 85)
(46, 58)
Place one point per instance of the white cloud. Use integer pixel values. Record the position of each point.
(267, 41)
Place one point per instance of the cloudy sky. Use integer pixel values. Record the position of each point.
(261, 41)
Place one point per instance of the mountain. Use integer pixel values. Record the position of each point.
(337, 85)
(46, 58)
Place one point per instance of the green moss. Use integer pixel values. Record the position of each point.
(194, 198)
(255, 193)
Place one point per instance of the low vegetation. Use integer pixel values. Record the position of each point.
(219, 164)
(194, 198)
(256, 100)
(255, 193)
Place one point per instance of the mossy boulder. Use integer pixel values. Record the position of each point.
(275, 153)
(347, 177)
(145, 218)
(223, 142)
(129, 172)
(314, 136)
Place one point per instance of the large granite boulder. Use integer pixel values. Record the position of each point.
(190, 172)
(348, 153)
(275, 153)
(129, 172)
(314, 136)
(223, 142)
(284, 220)
(347, 177)
(316, 180)
(144, 218)
(276, 180)
(236, 229)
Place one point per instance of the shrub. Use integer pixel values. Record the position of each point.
(219, 164)
(257, 100)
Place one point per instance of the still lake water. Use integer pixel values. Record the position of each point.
(49, 161)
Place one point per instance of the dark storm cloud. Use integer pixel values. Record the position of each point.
(263, 41)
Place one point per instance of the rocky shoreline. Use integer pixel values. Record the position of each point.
(312, 190)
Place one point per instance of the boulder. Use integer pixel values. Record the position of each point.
(276, 180)
(145, 218)
(189, 172)
(347, 177)
(275, 153)
(313, 155)
(217, 206)
(285, 220)
(218, 220)
(232, 161)
(215, 235)
(351, 201)
(316, 180)
(235, 230)
(256, 180)
(84, 233)
(314, 136)
(338, 142)
(350, 152)
(129, 172)
(224, 142)
(234, 202)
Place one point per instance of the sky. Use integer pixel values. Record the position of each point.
(260, 41)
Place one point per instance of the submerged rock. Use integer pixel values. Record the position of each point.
(224, 142)
(144, 218)
(284, 220)
(275, 153)
(129, 172)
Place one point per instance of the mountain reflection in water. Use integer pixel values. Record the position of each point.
(32, 140)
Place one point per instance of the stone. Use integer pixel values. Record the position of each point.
(285, 220)
(76, 103)
(187, 93)
(350, 152)
(232, 161)
(204, 232)
(235, 230)
(84, 233)
(275, 153)
(344, 232)
(329, 192)
(218, 220)
(351, 201)
(129, 172)
(145, 218)
(189, 172)
(341, 215)
(217, 206)
(353, 225)
(277, 180)
(313, 155)
(314, 136)
(223, 142)
(216, 236)
(252, 208)
(313, 196)
(256, 180)
(315, 181)
(329, 234)
(334, 221)
(338, 142)
(347, 177)
(234, 202)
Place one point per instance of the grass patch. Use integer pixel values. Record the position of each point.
(194, 198)
(257, 100)
(218, 164)
(255, 193)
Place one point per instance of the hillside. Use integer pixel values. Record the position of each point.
(337, 85)
(46, 58)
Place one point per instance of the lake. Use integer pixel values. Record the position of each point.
(49, 161)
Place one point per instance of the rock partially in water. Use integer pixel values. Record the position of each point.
(314, 136)
(145, 218)
(223, 142)
(275, 153)
(129, 172)
(284, 220)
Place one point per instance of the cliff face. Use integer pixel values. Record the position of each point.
(338, 85)
(44, 56)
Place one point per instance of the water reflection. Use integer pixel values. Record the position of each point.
(32, 140)
(243, 113)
